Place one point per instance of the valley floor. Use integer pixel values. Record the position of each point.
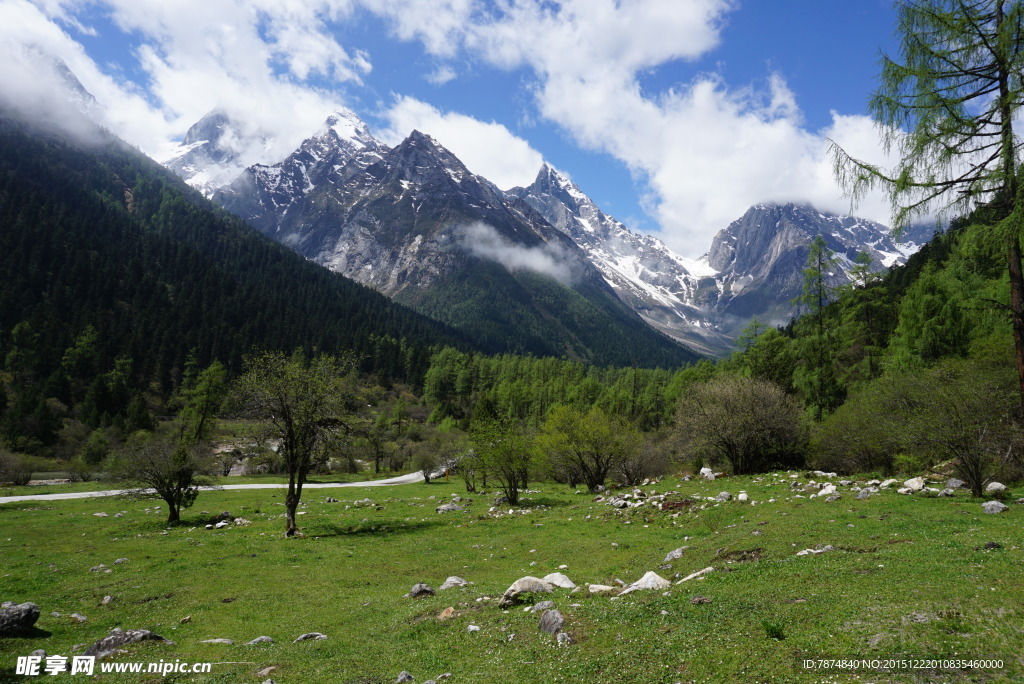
(931, 580)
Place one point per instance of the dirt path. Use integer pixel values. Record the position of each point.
(411, 478)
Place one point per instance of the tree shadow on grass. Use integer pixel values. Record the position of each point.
(375, 528)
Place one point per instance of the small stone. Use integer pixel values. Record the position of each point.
(107, 600)
(947, 492)
(78, 617)
(600, 589)
(995, 489)
(419, 590)
(563, 639)
(551, 622)
(742, 496)
(542, 605)
(119, 638)
(267, 671)
(260, 640)
(707, 474)
(404, 677)
(994, 507)
(724, 496)
(472, 628)
(676, 554)
(98, 568)
(915, 484)
(17, 618)
(119, 561)
(650, 581)
(448, 508)
(453, 581)
(560, 580)
(697, 575)
(100, 515)
(699, 600)
(310, 636)
(954, 483)
(227, 642)
(222, 524)
(833, 497)
(524, 585)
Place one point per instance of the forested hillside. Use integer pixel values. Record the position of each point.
(116, 276)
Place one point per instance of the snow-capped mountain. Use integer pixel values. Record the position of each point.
(413, 222)
(760, 257)
(657, 283)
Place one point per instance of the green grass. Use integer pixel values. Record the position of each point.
(909, 578)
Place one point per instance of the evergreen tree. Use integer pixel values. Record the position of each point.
(949, 107)
(816, 375)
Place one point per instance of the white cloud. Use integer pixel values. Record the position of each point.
(549, 259)
(443, 74)
(704, 152)
(486, 148)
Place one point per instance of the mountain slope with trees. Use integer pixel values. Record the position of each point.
(117, 277)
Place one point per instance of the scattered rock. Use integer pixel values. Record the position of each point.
(915, 484)
(119, 638)
(827, 490)
(697, 575)
(887, 483)
(403, 677)
(947, 492)
(119, 561)
(707, 474)
(600, 589)
(242, 522)
(223, 517)
(78, 617)
(222, 524)
(419, 590)
(448, 508)
(100, 515)
(954, 483)
(453, 581)
(563, 639)
(833, 497)
(185, 620)
(542, 605)
(98, 568)
(650, 581)
(742, 496)
(265, 672)
(699, 600)
(724, 496)
(676, 554)
(524, 585)
(559, 580)
(816, 551)
(552, 622)
(310, 636)
(994, 507)
(107, 600)
(472, 628)
(227, 642)
(16, 618)
(260, 640)
(995, 489)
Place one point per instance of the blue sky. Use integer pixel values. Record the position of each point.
(674, 115)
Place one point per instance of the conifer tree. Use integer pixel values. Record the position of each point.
(948, 107)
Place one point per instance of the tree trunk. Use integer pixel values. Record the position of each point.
(291, 505)
(173, 513)
(1017, 309)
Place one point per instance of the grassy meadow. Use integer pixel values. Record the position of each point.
(909, 577)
